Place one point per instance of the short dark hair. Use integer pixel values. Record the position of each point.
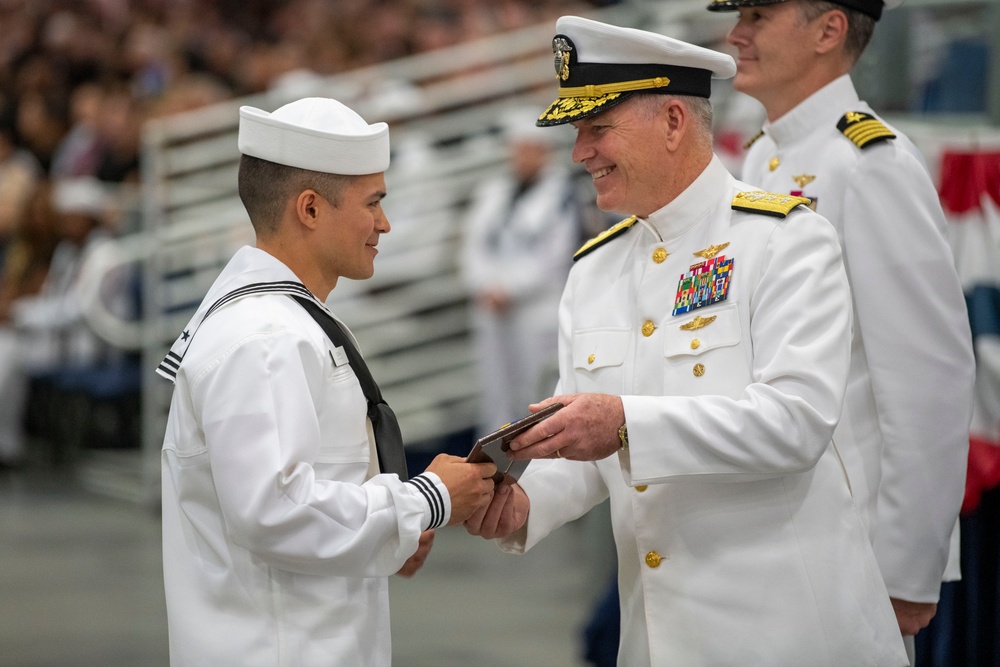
(265, 188)
(860, 27)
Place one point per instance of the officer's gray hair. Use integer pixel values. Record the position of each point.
(859, 26)
(700, 108)
(265, 188)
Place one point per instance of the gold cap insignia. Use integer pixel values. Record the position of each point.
(561, 49)
(711, 251)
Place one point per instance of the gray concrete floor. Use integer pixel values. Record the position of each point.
(81, 585)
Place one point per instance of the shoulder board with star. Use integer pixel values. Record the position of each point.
(604, 237)
(864, 129)
(768, 203)
(753, 140)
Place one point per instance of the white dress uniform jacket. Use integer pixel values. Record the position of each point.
(278, 536)
(737, 540)
(521, 245)
(904, 433)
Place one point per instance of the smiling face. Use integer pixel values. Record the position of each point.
(350, 230)
(622, 150)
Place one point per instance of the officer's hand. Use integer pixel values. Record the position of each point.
(505, 514)
(586, 429)
(416, 561)
(470, 485)
(912, 616)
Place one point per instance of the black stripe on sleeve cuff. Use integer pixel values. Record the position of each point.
(434, 499)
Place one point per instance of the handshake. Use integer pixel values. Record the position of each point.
(483, 486)
(484, 506)
(487, 500)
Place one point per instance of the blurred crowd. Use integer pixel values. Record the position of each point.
(79, 78)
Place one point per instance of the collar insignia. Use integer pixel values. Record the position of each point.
(711, 251)
(561, 49)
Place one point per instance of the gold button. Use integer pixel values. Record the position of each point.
(659, 255)
(653, 559)
(641, 488)
(699, 370)
(774, 163)
(695, 344)
(647, 328)
(591, 358)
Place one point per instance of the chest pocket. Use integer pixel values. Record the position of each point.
(343, 418)
(599, 359)
(704, 354)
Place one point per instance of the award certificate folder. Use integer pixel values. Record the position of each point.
(494, 447)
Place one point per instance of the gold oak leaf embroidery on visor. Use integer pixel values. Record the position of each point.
(569, 107)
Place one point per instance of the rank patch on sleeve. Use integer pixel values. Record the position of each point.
(864, 129)
(704, 284)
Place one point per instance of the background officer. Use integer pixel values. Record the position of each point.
(904, 431)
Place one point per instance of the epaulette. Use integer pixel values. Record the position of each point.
(864, 129)
(753, 140)
(604, 237)
(768, 203)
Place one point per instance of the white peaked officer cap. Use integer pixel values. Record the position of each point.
(599, 66)
(315, 133)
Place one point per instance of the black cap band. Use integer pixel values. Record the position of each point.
(683, 80)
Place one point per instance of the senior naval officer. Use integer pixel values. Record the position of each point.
(704, 350)
(905, 426)
(285, 499)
